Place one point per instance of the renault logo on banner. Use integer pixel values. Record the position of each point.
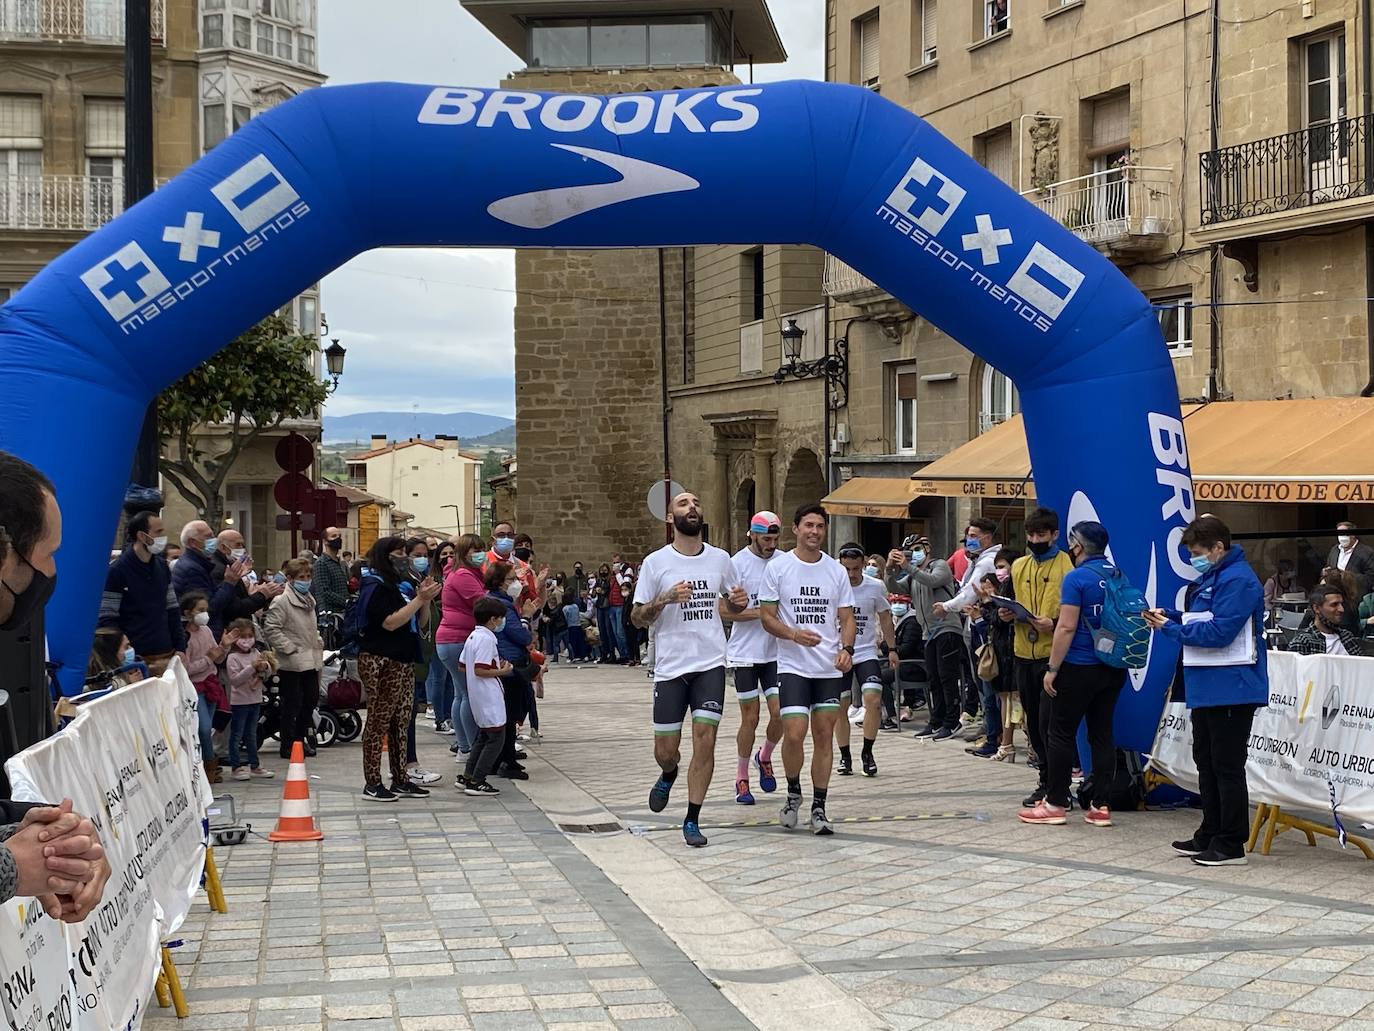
(1331, 706)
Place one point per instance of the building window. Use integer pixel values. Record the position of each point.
(212, 30)
(6, 292)
(996, 17)
(1323, 110)
(751, 285)
(21, 161)
(1000, 399)
(1110, 153)
(866, 50)
(1175, 313)
(926, 20)
(242, 114)
(995, 153)
(212, 126)
(104, 159)
(308, 317)
(243, 32)
(305, 50)
(905, 382)
(667, 41)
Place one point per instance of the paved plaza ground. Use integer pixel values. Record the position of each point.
(932, 907)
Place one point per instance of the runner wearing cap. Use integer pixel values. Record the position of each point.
(808, 605)
(864, 683)
(682, 589)
(753, 657)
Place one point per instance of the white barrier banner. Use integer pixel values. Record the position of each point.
(131, 762)
(1316, 734)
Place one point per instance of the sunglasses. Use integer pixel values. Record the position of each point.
(852, 553)
(761, 528)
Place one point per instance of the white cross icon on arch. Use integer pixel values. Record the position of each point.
(191, 236)
(987, 239)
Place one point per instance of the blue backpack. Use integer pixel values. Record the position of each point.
(355, 618)
(1124, 638)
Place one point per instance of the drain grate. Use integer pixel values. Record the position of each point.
(590, 828)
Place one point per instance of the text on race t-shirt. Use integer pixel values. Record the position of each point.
(750, 643)
(688, 637)
(808, 596)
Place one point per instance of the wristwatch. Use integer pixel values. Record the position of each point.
(1051, 669)
(848, 648)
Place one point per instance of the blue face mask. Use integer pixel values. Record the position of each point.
(1202, 563)
(129, 657)
(898, 611)
(301, 587)
(420, 564)
(279, 578)
(475, 558)
(212, 545)
(973, 544)
(917, 558)
(871, 571)
(505, 545)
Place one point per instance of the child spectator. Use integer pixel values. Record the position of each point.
(246, 668)
(484, 669)
(203, 655)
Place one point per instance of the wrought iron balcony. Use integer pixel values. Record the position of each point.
(844, 284)
(1126, 208)
(1318, 165)
(94, 21)
(61, 202)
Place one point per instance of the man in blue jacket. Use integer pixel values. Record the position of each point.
(1225, 616)
(195, 572)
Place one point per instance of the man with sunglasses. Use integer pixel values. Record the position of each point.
(753, 656)
(808, 605)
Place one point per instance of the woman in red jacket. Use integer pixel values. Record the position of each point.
(463, 586)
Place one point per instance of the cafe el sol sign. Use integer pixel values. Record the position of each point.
(1294, 492)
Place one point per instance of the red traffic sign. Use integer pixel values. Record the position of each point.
(297, 521)
(294, 492)
(294, 453)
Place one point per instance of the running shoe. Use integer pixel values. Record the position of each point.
(514, 772)
(1044, 814)
(420, 775)
(791, 812)
(1034, 798)
(1098, 816)
(820, 823)
(658, 795)
(691, 834)
(856, 716)
(870, 766)
(889, 725)
(1188, 847)
(408, 789)
(378, 793)
(480, 789)
(1213, 857)
(461, 781)
(846, 767)
(943, 734)
(261, 774)
(929, 731)
(767, 781)
(742, 793)
(988, 750)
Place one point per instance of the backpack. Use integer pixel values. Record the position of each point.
(1123, 641)
(355, 618)
(1126, 793)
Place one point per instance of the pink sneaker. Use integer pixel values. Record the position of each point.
(1098, 816)
(241, 773)
(1044, 813)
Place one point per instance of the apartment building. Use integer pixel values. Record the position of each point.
(216, 64)
(439, 485)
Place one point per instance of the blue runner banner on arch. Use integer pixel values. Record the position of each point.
(339, 170)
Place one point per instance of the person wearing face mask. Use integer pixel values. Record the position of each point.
(1352, 556)
(1224, 610)
(502, 543)
(988, 631)
(329, 577)
(195, 573)
(864, 681)
(291, 629)
(417, 574)
(926, 579)
(138, 596)
(463, 586)
(246, 666)
(248, 598)
(203, 657)
(512, 645)
(909, 644)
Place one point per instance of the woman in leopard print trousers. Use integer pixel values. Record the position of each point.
(390, 694)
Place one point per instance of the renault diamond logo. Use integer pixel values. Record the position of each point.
(1331, 706)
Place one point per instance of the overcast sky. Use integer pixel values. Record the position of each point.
(432, 329)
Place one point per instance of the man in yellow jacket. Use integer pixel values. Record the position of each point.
(1037, 579)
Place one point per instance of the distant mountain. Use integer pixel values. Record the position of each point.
(404, 425)
(501, 438)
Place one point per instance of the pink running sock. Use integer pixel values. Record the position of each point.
(742, 768)
(766, 752)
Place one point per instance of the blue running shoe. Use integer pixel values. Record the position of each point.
(658, 795)
(767, 781)
(742, 793)
(691, 834)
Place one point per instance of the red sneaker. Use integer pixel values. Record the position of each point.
(1098, 816)
(1044, 813)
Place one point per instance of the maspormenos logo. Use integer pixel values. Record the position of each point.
(926, 200)
(255, 202)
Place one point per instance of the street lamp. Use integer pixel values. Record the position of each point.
(834, 367)
(334, 361)
(457, 515)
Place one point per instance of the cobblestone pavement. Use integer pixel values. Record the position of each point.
(932, 906)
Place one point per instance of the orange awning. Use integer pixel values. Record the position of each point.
(1309, 450)
(871, 497)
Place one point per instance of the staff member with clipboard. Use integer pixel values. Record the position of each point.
(1225, 679)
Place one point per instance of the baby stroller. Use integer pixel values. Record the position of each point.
(341, 696)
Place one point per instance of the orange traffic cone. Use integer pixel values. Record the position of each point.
(296, 822)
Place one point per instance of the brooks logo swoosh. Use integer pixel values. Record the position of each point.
(544, 208)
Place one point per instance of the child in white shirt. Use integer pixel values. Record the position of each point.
(485, 669)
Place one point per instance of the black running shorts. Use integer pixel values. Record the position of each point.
(756, 680)
(702, 694)
(799, 696)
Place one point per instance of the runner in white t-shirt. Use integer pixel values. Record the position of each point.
(872, 615)
(753, 658)
(681, 590)
(808, 605)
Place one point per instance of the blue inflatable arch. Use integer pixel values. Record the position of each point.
(336, 171)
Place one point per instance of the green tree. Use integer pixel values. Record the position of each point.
(491, 466)
(264, 377)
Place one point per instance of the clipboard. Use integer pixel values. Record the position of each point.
(1023, 614)
(1243, 651)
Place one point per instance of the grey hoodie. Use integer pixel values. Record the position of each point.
(932, 582)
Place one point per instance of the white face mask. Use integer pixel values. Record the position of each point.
(158, 546)
(201, 619)
(1345, 541)
(238, 553)
(515, 589)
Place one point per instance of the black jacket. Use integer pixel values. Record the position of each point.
(1361, 564)
(241, 604)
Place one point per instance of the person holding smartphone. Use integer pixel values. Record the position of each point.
(1225, 679)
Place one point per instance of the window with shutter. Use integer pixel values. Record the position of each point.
(997, 154)
(906, 382)
(929, 18)
(21, 122)
(104, 127)
(867, 29)
(1111, 124)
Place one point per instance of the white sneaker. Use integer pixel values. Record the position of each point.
(420, 775)
(856, 717)
(820, 823)
(461, 758)
(790, 813)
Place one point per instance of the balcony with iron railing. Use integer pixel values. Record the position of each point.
(1128, 208)
(845, 285)
(90, 21)
(72, 203)
(1321, 175)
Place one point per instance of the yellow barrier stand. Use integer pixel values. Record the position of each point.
(1273, 821)
(214, 889)
(169, 985)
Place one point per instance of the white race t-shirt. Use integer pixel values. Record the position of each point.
(688, 638)
(808, 595)
(750, 643)
(485, 694)
(870, 598)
